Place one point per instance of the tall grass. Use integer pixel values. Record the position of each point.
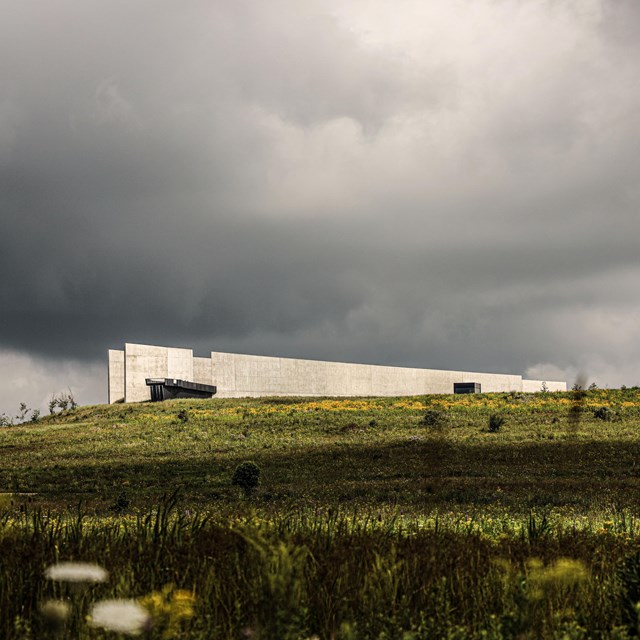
(332, 574)
(393, 518)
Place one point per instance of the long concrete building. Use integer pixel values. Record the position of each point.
(237, 375)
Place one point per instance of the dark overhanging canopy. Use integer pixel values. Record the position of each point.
(169, 388)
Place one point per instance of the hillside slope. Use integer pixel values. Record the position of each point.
(556, 449)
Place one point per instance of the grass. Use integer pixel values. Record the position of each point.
(373, 519)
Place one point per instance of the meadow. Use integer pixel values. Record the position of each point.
(482, 516)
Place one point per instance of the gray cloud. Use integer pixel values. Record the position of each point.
(407, 183)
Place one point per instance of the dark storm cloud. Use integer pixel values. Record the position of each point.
(432, 185)
(130, 214)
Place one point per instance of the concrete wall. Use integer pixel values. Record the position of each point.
(491, 382)
(116, 375)
(531, 386)
(202, 370)
(144, 361)
(238, 375)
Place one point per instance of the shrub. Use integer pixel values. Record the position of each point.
(603, 413)
(495, 422)
(183, 415)
(246, 476)
(121, 503)
(23, 411)
(62, 401)
(433, 418)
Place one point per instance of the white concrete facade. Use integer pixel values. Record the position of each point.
(237, 375)
(144, 361)
(116, 376)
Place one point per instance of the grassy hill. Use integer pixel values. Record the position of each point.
(553, 449)
(487, 516)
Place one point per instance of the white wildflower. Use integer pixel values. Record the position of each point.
(76, 572)
(123, 616)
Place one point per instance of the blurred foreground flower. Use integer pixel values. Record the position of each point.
(563, 574)
(76, 572)
(123, 616)
(169, 607)
(54, 614)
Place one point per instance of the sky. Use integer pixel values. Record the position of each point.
(445, 184)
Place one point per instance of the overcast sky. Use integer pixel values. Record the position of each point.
(440, 183)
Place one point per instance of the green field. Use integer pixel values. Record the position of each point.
(374, 518)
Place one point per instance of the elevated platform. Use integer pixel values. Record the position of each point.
(168, 388)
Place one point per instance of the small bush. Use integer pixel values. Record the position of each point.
(433, 418)
(603, 413)
(183, 415)
(246, 476)
(63, 401)
(495, 422)
(23, 411)
(121, 503)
